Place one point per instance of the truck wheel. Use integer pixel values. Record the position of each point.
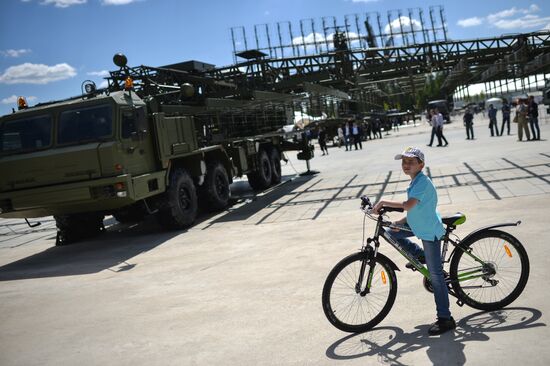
(261, 178)
(72, 228)
(275, 160)
(215, 189)
(180, 207)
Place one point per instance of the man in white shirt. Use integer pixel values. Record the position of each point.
(440, 122)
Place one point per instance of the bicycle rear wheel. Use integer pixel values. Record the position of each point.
(499, 280)
(353, 309)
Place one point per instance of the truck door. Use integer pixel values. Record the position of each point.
(136, 142)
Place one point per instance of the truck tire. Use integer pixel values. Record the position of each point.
(214, 192)
(75, 227)
(275, 160)
(179, 210)
(261, 178)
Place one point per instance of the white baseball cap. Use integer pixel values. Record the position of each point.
(411, 152)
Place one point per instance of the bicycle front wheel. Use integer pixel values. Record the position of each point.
(490, 271)
(349, 304)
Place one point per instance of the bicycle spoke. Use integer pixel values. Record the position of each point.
(349, 306)
(495, 282)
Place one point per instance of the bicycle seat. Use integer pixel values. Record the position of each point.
(454, 220)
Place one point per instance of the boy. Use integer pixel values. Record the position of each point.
(425, 222)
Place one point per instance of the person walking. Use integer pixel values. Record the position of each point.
(493, 120)
(322, 138)
(533, 114)
(341, 137)
(377, 128)
(368, 127)
(433, 122)
(505, 117)
(469, 123)
(356, 136)
(440, 123)
(521, 119)
(347, 136)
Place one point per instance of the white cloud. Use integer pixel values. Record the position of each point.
(102, 73)
(28, 73)
(63, 3)
(117, 2)
(402, 22)
(15, 53)
(492, 18)
(470, 22)
(527, 21)
(13, 99)
(513, 18)
(310, 38)
(103, 84)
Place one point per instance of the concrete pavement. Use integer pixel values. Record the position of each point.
(243, 287)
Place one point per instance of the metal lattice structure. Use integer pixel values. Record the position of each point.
(359, 70)
(342, 83)
(361, 31)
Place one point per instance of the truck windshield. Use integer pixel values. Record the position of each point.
(85, 124)
(25, 135)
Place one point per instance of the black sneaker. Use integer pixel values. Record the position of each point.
(441, 326)
(421, 259)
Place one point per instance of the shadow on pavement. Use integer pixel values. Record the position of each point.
(246, 203)
(113, 248)
(390, 344)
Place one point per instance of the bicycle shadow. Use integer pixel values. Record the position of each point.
(390, 344)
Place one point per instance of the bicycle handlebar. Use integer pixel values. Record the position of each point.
(366, 206)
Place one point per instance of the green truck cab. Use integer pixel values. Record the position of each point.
(124, 153)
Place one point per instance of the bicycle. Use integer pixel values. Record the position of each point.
(488, 270)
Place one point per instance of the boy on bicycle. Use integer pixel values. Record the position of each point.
(425, 223)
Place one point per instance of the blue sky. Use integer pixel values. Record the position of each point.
(48, 47)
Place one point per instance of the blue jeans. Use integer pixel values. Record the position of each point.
(432, 253)
(534, 123)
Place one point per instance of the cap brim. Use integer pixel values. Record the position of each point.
(401, 156)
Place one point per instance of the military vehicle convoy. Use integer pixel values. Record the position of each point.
(160, 141)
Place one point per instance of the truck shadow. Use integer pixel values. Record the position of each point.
(110, 251)
(247, 203)
(113, 249)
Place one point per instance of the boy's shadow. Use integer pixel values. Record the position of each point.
(389, 344)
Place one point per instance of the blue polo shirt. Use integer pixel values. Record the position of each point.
(423, 218)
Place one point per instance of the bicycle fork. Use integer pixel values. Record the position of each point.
(370, 255)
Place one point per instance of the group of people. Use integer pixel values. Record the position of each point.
(437, 122)
(350, 134)
(527, 115)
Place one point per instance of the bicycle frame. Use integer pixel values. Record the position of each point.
(472, 273)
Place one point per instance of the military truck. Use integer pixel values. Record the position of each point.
(160, 141)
